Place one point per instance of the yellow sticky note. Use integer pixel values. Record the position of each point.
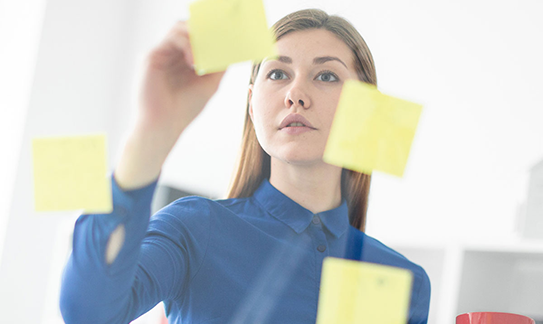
(359, 292)
(223, 32)
(371, 131)
(71, 173)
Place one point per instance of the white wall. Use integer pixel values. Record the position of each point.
(76, 86)
(20, 30)
(476, 66)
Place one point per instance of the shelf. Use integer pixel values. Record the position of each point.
(504, 276)
(506, 281)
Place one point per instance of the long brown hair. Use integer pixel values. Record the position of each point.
(253, 163)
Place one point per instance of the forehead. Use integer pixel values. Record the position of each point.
(307, 44)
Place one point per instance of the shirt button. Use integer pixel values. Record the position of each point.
(316, 220)
(321, 248)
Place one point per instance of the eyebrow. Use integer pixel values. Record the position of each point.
(324, 59)
(316, 60)
(284, 59)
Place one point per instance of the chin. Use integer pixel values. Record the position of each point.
(299, 158)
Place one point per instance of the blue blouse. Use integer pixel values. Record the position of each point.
(244, 260)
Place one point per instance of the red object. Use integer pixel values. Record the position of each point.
(492, 318)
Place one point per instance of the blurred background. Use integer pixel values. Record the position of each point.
(470, 205)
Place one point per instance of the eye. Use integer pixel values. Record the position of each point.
(277, 75)
(327, 76)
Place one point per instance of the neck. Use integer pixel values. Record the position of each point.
(316, 187)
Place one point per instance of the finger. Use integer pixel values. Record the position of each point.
(180, 38)
(181, 25)
(175, 47)
(183, 29)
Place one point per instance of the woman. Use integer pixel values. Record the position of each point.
(257, 256)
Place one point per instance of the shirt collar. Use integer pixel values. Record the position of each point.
(297, 217)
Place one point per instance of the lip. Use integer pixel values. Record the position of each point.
(295, 118)
(296, 130)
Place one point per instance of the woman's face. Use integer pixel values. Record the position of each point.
(305, 81)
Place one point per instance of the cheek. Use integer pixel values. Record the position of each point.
(261, 120)
(263, 104)
(329, 106)
(260, 112)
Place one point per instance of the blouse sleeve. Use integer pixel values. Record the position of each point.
(421, 299)
(154, 263)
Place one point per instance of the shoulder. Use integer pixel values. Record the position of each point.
(195, 212)
(190, 213)
(375, 251)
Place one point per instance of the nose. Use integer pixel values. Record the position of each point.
(297, 97)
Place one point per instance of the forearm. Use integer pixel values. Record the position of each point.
(92, 290)
(143, 156)
(140, 164)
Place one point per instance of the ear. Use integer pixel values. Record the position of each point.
(250, 100)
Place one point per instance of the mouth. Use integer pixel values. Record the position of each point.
(295, 125)
(295, 121)
(295, 129)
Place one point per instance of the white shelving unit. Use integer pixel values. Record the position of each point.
(504, 276)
